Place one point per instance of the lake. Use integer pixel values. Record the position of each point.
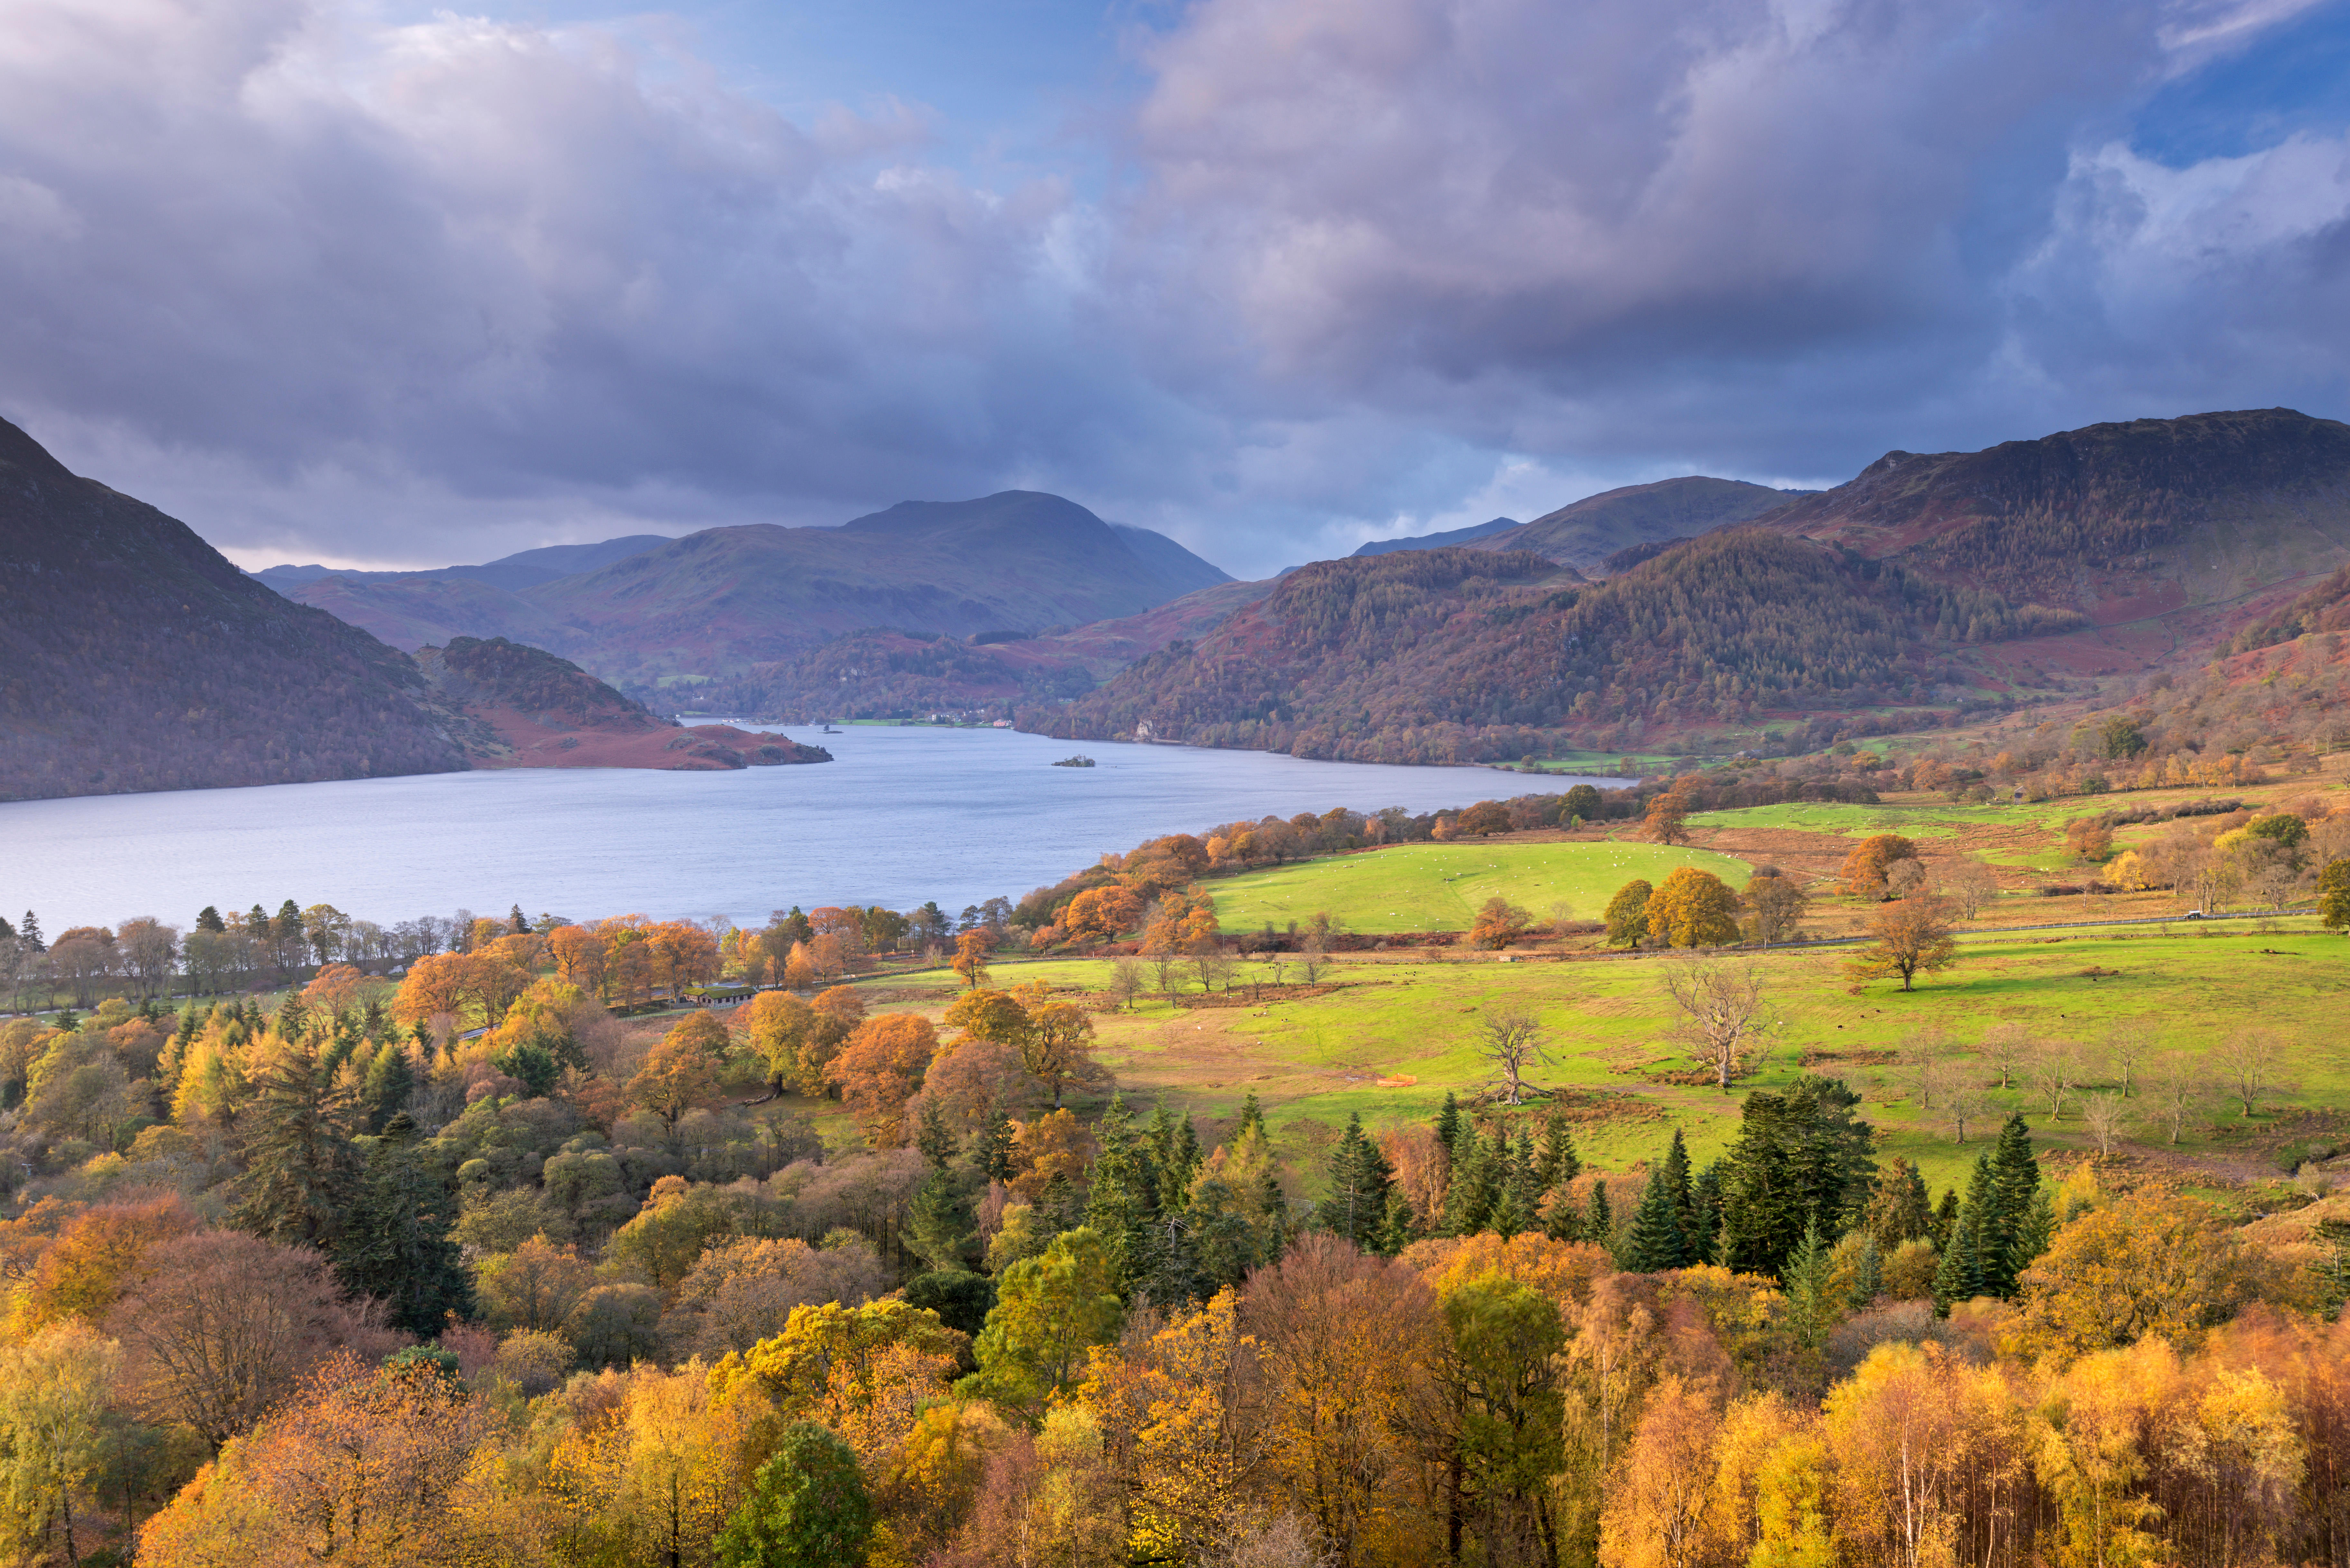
(902, 815)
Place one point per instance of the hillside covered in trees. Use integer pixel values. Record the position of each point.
(2117, 521)
(134, 656)
(1463, 655)
(1586, 533)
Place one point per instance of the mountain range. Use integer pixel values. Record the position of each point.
(1695, 609)
(133, 656)
(643, 613)
(1925, 585)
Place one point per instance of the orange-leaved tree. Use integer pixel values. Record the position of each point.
(1100, 915)
(879, 1067)
(970, 952)
(1693, 909)
(1866, 869)
(1499, 923)
(684, 1070)
(1913, 937)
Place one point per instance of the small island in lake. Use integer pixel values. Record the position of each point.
(1080, 760)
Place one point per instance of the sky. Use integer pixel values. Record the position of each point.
(370, 282)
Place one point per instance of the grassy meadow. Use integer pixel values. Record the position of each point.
(1390, 1031)
(1440, 887)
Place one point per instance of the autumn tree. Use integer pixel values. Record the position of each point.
(1693, 909)
(879, 1069)
(1628, 914)
(2252, 1063)
(225, 1325)
(1774, 905)
(54, 1395)
(971, 951)
(683, 1071)
(1057, 1048)
(1911, 936)
(1048, 1311)
(1498, 924)
(1868, 866)
(2150, 1263)
(1666, 818)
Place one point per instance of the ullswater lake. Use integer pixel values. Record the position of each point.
(900, 816)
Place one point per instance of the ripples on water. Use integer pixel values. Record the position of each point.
(901, 816)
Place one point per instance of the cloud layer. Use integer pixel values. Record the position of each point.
(438, 291)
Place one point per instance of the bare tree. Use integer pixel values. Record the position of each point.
(1969, 886)
(2006, 1046)
(1125, 982)
(2052, 1068)
(1166, 964)
(1722, 1010)
(1511, 1038)
(1312, 960)
(2128, 1042)
(2252, 1063)
(1964, 1101)
(1208, 962)
(2104, 1116)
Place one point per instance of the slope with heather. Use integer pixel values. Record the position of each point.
(1586, 532)
(1464, 654)
(134, 656)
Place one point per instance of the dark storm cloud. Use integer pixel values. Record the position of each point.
(439, 292)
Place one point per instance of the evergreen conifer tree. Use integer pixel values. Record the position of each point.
(1960, 1276)
(1448, 1131)
(1801, 1158)
(1123, 1199)
(939, 1222)
(1560, 1163)
(299, 1167)
(1565, 1221)
(1469, 1199)
(1945, 1220)
(994, 1151)
(1251, 1115)
(933, 1136)
(1704, 1225)
(395, 1243)
(389, 1081)
(1360, 1178)
(2015, 1182)
(1396, 1233)
(1805, 1277)
(1599, 1225)
(1656, 1242)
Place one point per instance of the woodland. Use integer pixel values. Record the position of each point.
(886, 1237)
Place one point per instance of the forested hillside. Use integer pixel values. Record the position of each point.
(134, 656)
(1455, 655)
(1586, 532)
(2118, 521)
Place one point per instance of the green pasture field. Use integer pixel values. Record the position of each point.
(1440, 887)
(1313, 1060)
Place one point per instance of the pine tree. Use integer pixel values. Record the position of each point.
(1560, 1164)
(1809, 1310)
(1656, 1242)
(1599, 1226)
(1675, 1175)
(1563, 1222)
(1899, 1207)
(1526, 1186)
(516, 925)
(1801, 1158)
(1361, 1178)
(1704, 1233)
(389, 1083)
(1251, 1116)
(994, 1151)
(293, 1018)
(2032, 1236)
(1961, 1275)
(933, 1137)
(1945, 1220)
(395, 1243)
(208, 919)
(2015, 1183)
(939, 1222)
(1469, 1199)
(299, 1167)
(1398, 1231)
(30, 933)
(1123, 1200)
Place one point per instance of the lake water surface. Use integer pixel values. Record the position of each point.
(900, 816)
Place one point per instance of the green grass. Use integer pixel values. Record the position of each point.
(1315, 1060)
(1938, 819)
(1440, 887)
